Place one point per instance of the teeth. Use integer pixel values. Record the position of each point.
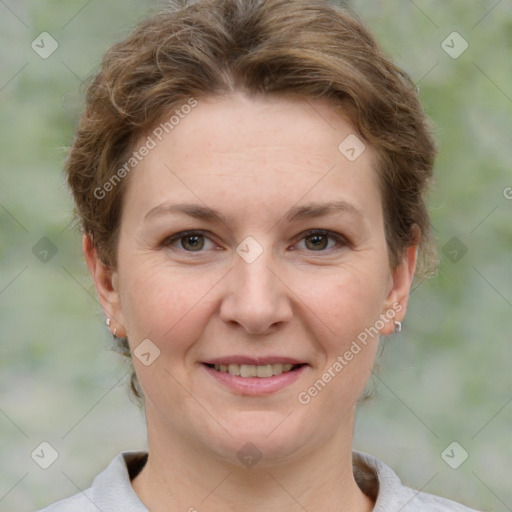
(249, 370)
(264, 371)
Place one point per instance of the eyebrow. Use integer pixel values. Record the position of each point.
(307, 211)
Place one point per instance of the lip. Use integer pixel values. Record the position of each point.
(255, 386)
(256, 361)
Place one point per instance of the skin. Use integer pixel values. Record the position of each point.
(252, 159)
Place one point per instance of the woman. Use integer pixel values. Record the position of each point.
(250, 178)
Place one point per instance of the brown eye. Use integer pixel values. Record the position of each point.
(317, 242)
(322, 241)
(188, 241)
(192, 242)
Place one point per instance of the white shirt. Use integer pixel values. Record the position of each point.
(112, 491)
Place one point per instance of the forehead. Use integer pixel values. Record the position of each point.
(239, 124)
(270, 149)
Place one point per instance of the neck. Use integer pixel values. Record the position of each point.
(183, 476)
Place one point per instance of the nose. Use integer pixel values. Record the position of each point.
(256, 298)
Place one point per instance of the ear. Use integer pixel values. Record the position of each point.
(396, 301)
(107, 286)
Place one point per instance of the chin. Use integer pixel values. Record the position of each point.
(261, 438)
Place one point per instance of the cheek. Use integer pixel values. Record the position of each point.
(346, 309)
(165, 305)
(345, 301)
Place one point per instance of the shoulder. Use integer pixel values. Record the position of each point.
(111, 490)
(379, 481)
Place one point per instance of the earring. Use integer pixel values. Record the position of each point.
(109, 323)
(398, 326)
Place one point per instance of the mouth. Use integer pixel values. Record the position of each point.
(250, 370)
(255, 375)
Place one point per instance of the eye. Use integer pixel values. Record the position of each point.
(315, 240)
(190, 241)
(318, 240)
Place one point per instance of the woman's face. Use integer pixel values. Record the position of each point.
(249, 238)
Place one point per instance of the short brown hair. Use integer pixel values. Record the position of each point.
(306, 48)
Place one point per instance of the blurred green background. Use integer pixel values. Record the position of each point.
(446, 378)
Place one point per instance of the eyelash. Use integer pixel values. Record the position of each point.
(340, 240)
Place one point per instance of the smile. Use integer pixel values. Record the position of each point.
(250, 370)
(255, 379)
